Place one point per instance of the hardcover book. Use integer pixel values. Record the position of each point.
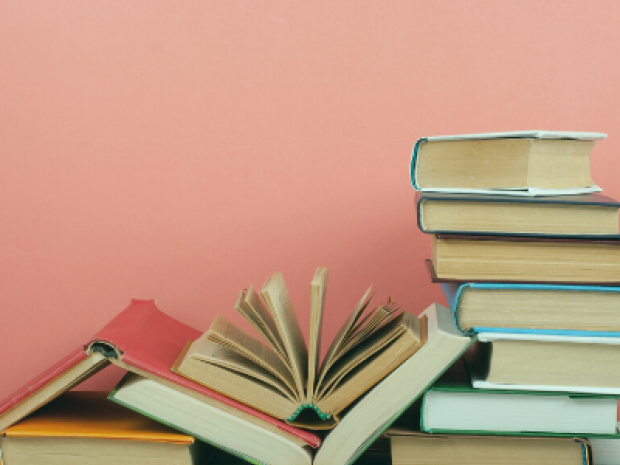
(453, 406)
(510, 163)
(84, 428)
(279, 375)
(538, 362)
(416, 448)
(535, 308)
(589, 216)
(146, 341)
(523, 259)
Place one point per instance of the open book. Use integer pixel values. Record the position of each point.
(281, 376)
(145, 341)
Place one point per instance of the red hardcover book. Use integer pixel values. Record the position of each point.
(141, 339)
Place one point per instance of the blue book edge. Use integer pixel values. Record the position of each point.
(453, 291)
(414, 157)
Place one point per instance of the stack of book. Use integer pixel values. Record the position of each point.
(520, 369)
(528, 256)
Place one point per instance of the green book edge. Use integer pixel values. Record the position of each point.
(389, 423)
(322, 416)
(112, 397)
(461, 383)
(521, 433)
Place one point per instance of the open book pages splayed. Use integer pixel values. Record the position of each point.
(281, 376)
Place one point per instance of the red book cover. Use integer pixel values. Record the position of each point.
(147, 339)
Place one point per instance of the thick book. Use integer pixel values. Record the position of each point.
(279, 375)
(84, 428)
(535, 308)
(144, 340)
(509, 163)
(525, 260)
(363, 422)
(588, 216)
(552, 363)
(416, 448)
(451, 405)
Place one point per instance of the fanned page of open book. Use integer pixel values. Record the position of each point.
(279, 375)
(276, 297)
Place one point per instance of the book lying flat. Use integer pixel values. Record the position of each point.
(146, 341)
(537, 362)
(416, 448)
(535, 308)
(452, 406)
(509, 163)
(279, 375)
(573, 216)
(606, 450)
(84, 428)
(180, 411)
(523, 259)
(362, 424)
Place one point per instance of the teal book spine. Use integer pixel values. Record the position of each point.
(453, 291)
(414, 156)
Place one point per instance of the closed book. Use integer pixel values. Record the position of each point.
(553, 363)
(535, 308)
(84, 428)
(452, 405)
(416, 448)
(522, 163)
(585, 216)
(525, 260)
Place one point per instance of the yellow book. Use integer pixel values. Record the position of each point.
(87, 429)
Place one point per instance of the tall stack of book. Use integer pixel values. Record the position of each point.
(528, 255)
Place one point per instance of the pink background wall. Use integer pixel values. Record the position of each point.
(183, 150)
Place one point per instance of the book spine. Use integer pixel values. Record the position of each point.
(419, 212)
(423, 408)
(453, 291)
(414, 157)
